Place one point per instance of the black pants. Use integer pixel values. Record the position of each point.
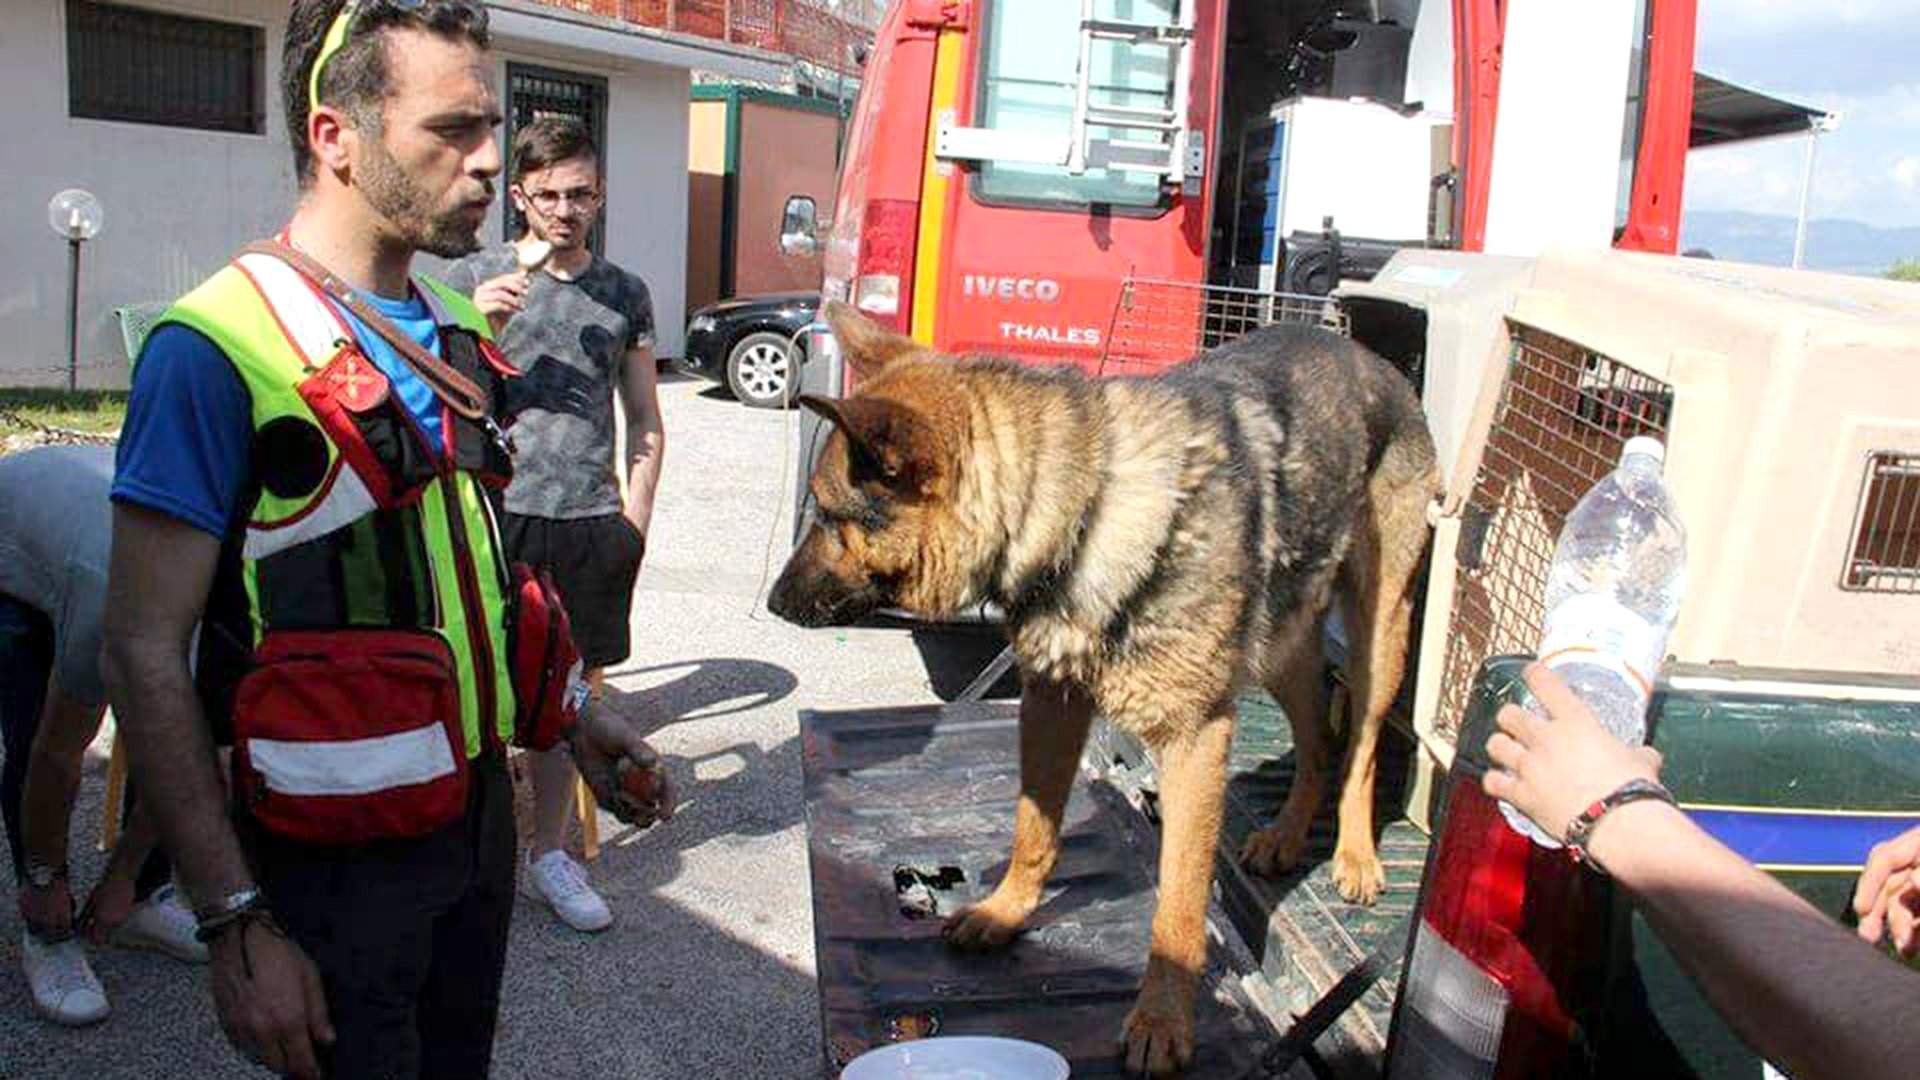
(26, 663)
(594, 562)
(410, 936)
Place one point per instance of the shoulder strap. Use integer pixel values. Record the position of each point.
(460, 393)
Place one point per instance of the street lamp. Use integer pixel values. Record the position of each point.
(76, 215)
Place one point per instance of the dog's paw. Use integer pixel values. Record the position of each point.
(989, 924)
(1273, 850)
(1359, 877)
(1158, 1038)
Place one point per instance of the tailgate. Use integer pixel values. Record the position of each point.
(912, 808)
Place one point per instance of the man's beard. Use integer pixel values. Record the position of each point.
(410, 210)
(545, 232)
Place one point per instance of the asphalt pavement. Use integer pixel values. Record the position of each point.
(708, 970)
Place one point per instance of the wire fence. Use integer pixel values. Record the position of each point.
(803, 30)
(1160, 323)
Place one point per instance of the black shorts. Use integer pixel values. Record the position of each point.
(594, 562)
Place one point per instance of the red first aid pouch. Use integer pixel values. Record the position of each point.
(547, 685)
(347, 736)
(355, 403)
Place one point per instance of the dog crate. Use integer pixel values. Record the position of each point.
(1790, 406)
(1157, 324)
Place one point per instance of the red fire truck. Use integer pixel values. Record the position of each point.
(1009, 166)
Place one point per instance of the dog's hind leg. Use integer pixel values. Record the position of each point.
(1377, 604)
(1300, 687)
(1054, 718)
(1193, 784)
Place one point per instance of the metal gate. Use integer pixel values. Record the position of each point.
(534, 93)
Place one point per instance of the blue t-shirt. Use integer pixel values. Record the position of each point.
(185, 449)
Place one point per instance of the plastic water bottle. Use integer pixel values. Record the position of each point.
(1619, 571)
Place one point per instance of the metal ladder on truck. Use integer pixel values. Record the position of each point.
(1162, 144)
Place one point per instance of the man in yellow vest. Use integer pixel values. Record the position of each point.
(310, 467)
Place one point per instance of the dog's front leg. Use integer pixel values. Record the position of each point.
(1193, 781)
(1053, 727)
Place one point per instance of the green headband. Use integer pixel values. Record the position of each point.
(336, 36)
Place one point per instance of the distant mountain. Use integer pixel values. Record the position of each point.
(1846, 247)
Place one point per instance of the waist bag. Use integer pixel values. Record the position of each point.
(347, 736)
(547, 685)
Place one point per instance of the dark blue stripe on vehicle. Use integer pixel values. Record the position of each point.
(1801, 839)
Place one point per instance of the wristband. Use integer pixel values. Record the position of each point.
(1580, 829)
(207, 932)
(224, 912)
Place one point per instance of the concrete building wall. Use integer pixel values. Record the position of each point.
(706, 199)
(647, 190)
(179, 201)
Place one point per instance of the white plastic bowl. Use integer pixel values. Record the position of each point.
(958, 1057)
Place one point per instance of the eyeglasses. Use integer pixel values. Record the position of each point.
(339, 31)
(548, 201)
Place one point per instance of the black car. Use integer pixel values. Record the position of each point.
(748, 343)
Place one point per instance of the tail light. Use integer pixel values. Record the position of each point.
(883, 273)
(1512, 942)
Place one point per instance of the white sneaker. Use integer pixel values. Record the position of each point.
(161, 924)
(64, 988)
(560, 883)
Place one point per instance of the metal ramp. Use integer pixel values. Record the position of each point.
(909, 816)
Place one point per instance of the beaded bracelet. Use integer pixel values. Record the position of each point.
(1580, 830)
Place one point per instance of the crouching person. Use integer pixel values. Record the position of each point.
(54, 522)
(309, 470)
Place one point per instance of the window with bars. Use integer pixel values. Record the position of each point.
(1886, 529)
(152, 67)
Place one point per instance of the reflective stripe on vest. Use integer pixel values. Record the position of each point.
(315, 331)
(353, 766)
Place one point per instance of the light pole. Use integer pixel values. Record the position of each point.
(1819, 126)
(76, 215)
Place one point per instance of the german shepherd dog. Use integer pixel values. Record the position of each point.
(1156, 544)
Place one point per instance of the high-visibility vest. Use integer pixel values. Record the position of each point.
(316, 551)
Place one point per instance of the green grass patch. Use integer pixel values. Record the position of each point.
(81, 410)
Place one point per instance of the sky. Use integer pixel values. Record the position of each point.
(1860, 58)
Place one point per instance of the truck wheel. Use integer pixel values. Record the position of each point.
(758, 369)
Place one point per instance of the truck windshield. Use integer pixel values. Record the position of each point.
(1029, 88)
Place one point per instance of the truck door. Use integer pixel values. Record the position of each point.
(1072, 147)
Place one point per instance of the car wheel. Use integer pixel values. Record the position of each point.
(758, 369)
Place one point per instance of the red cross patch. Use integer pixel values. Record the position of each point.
(354, 382)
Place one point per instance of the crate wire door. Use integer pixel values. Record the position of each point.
(1563, 416)
(534, 93)
(1157, 324)
(1886, 529)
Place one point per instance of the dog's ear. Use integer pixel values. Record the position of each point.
(866, 346)
(889, 440)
